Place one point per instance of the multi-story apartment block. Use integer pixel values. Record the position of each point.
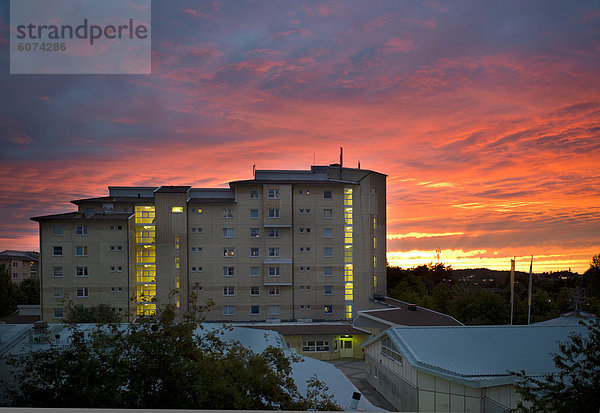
(286, 245)
(20, 264)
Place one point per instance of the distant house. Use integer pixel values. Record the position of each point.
(20, 264)
(460, 369)
(400, 313)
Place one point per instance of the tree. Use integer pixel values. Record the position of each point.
(574, 388)
(98, 314)
(592, 278)
(29, 291)
(161, 363)
(8, 293)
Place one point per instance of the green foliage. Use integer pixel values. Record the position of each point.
(575, 387)
(479, 306)
(8, 293)
(592, 278)
(161, 363)
(98, 314)
(29, 291)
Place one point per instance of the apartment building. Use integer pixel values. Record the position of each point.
(286, 245)
(20, 264)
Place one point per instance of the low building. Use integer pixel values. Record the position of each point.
(321, 341)
(460, 369)
(21, 264)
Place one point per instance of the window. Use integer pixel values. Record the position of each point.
(301, 269)
(328, 290)
(253, 194)
(198, 230)
(81, 292)
(274, 252)
(177, 209)
(119, 289)
(81, 250)
(57, 230)
(273, 193)
(308, 306)
(58, 313)
(227, 213)
(229, 252)
(228, 310)
(273, 232)
(254, 291)
(328, 309)
(254, 232)
(228, 233)
(273, 290)
(273, 212)
(81, 230)
(390, 350)
(327, 194)
(327, 232)
(57, 251)
(308, 269)
(228, 291)
(57, 292)
(15, 264)
(328, 252)
(304, 230)
(319, 345)
(176, 243)
(373, 190)
(274, 271)
(119, 248)
(254, 252)
(328, 271)
(254, 310)
(119, 269)
(274, 310)
(228, 271)
(196, 210)
(57, 272)
(15, 275)
(81, 272)
(254, 271)
(328, 213)
(253, 213)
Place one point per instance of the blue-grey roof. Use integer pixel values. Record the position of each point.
(481, 356)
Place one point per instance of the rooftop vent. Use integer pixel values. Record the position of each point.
(412, 307)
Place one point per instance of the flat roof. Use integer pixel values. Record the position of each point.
(310, 328)
(117, 216)
(399, 314)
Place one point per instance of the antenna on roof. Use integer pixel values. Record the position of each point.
(314, 158)
(341, 157)
(359, 164)
(254, 170)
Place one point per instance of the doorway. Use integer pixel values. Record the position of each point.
(346, 349)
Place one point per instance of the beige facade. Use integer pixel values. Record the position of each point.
(286, 245)
(20, 264)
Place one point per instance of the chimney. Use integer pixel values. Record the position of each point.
(341, 157)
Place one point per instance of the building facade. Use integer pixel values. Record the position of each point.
(20, 264)
(286, 245)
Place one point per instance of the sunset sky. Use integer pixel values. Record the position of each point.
(484, 115)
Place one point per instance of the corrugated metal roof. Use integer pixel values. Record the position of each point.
(481, 353)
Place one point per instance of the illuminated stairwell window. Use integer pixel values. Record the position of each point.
(145, 260)
(348, 254)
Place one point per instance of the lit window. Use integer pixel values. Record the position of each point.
(328, 213)
(57, 272)
(228, 271)
(274, 310)
(57, 229)
(273, 212)
(81, 230)
(254, 310)
(82, 292)
(274, 252)
(57, 251)
(227, 213)
(327, 194)
(254, 252)
(176, 243)
(273, 193)
(177, 210)
(228, 291)
(273, 290)
(254, 232)
(328, 290)
(81, 271)
(327, 232)
(81, 250)
(228, 252)
(274, 271)
(319, 345)
(328, 309)
(253, 194)
(273, 232)
(328, 252)
(228, 310)
(253, 213)
(254, 271)
(254, 291)
(328, 271)
(228, 232)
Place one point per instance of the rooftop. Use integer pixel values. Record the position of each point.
(399, 314)
(309, 328)
(19, 255)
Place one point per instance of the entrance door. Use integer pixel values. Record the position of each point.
(346, 347)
